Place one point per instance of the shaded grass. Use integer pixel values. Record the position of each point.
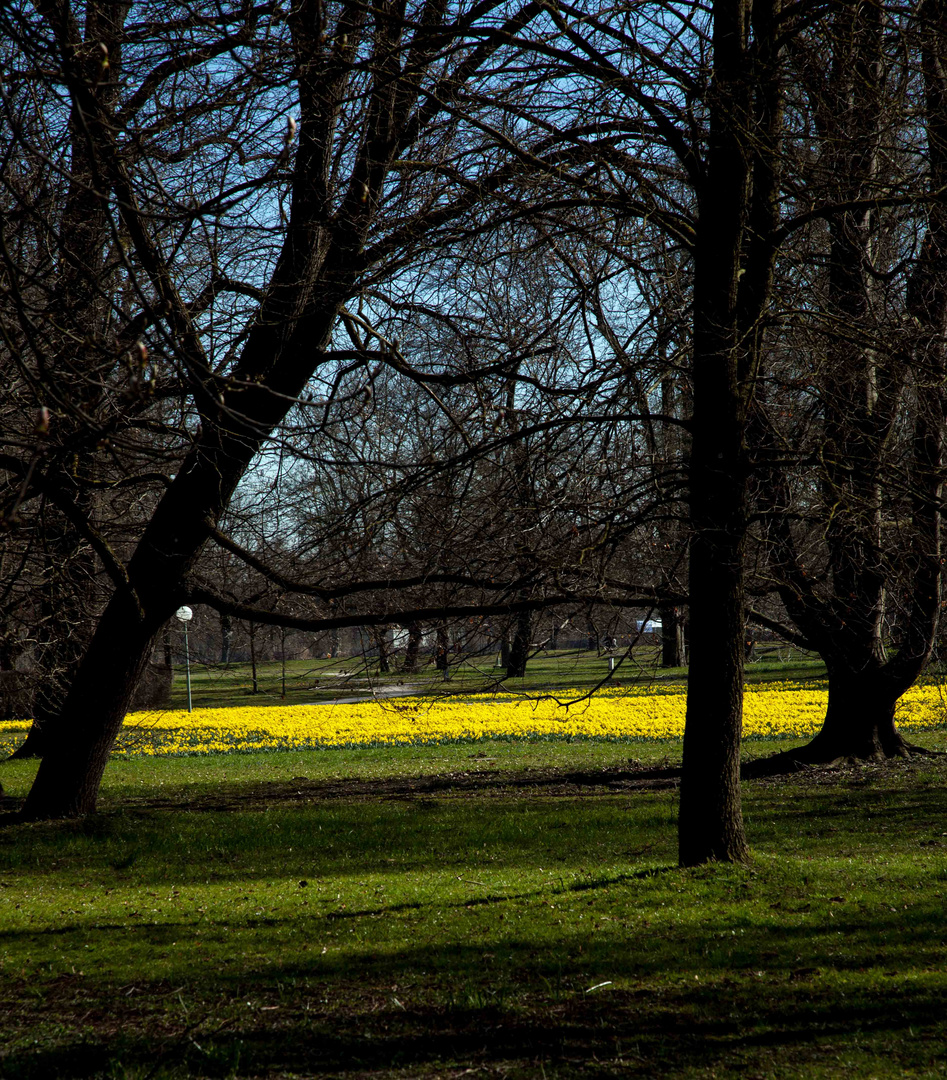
(145, 777)
(429, 936)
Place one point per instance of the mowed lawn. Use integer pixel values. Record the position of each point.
(503, 909)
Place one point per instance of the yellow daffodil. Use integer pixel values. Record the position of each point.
(773, 710)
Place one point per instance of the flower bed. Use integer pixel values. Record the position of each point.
(780, 710)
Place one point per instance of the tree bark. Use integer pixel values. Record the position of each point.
(733, 274)
(254, 685)
(519, 647)
(70, 773)
(413, 649)
(226, 638)
(859, 720)
(324, 251)
(672, 638)
(441, 647)
(843, 621)
(380, 636)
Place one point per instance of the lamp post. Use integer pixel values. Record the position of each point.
(185, 615)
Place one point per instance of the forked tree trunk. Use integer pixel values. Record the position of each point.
(324, 251)
(845, 627)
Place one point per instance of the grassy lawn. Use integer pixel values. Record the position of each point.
(339, 913)
(214, 686)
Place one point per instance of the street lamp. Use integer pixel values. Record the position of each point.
(185, 615)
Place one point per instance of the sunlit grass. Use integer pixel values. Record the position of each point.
(303, 681)
(427, 937)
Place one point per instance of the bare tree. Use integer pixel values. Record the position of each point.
(853, 507)
(372, 164)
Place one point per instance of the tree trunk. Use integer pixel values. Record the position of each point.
(254, 685)
(672, 638)
(32, 747)
(846, 626)
(413, 649)
(282, 657)
(226, 638)
(859, 720)
(733, 278)
(70, 773)
(519, 648)
(441, 646)
(592, 631)
(67, 594)
(380, 637)
(710, 826)
(340, 179)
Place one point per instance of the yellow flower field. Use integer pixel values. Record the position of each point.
(772, 711)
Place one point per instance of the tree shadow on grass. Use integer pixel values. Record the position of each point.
(641, 1033)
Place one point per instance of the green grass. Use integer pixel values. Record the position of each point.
(146, 777)
(285, 927)
(216, 686)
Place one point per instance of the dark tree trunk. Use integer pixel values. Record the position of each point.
(226, 638)
(70, 773)
(67, 593)
(593, 641)
(33, 746)
(519, 647)
(282, 657)
(254, 685)
(672, 638)
(865, 404)
(859, 720)
(380, 637)
(733, 274)
(711, 820)
(413, 649)
(505, 648)
(441, 648)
